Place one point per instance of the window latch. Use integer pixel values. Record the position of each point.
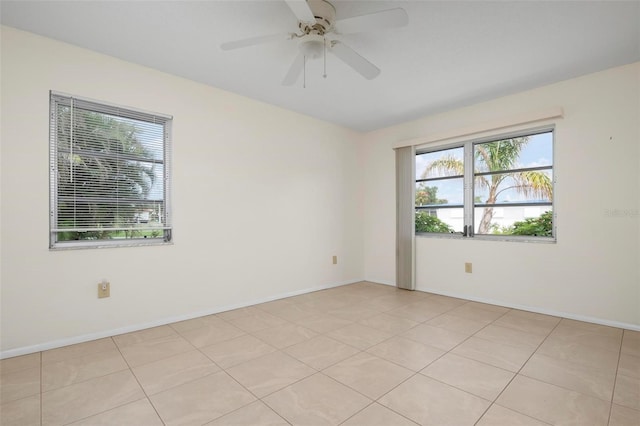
(464, 232)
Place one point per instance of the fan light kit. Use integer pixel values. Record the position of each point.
(312, 46)
(317, 21)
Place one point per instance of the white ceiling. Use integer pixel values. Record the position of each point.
(451, 54)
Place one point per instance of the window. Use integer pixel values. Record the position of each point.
(440, 172)
(110, 175)
(496, 187)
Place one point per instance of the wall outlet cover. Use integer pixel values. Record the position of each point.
(104, 290)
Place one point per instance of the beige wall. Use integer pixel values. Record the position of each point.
(592, 272)
(263, 198)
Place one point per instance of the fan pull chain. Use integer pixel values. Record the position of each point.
(324, 57)
(304, 72)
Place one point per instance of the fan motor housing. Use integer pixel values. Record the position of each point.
(325, 15)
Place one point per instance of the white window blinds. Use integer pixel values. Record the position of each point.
(110, 174)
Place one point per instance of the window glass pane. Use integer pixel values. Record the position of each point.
(446, 168)
(440, 220)
(514, 220)
(516, 187)
(514, 153)
(156, 189)
(447, 192)
(448, 162)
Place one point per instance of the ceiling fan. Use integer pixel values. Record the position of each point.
(316, 21)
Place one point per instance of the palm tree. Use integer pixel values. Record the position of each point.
(496, 159)
(105, 160)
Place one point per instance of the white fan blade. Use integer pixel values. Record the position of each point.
(254, 40)
(301, 9)
(354, 60)
(294, 70)
(373, 21)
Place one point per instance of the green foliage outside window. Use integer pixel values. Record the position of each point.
(426, 195)
(427, 223)
(541, 226)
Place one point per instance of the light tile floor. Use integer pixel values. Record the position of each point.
(363, 354)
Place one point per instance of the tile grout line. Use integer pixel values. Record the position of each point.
(374, 402)
(515, 373)
(282, 350)
(561, 386)
(463, 341)
(138, 381)
(261, 399)
(518, 373)
(126, 403)
(105, 375)
(615, 379)
(356, 413)
(414, 373)
(245, 405)
(199, 350)
(325, 334)
(41, 393)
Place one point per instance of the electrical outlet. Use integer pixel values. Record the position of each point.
(335, 260)
(468, 267)
(104, 289)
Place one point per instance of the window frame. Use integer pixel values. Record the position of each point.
(59, 99)
(469, 204)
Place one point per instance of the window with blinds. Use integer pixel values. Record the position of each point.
(110, 174)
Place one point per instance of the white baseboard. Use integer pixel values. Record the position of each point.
(164, 321)
(538, 310)
(389, 283)
(128, 329)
